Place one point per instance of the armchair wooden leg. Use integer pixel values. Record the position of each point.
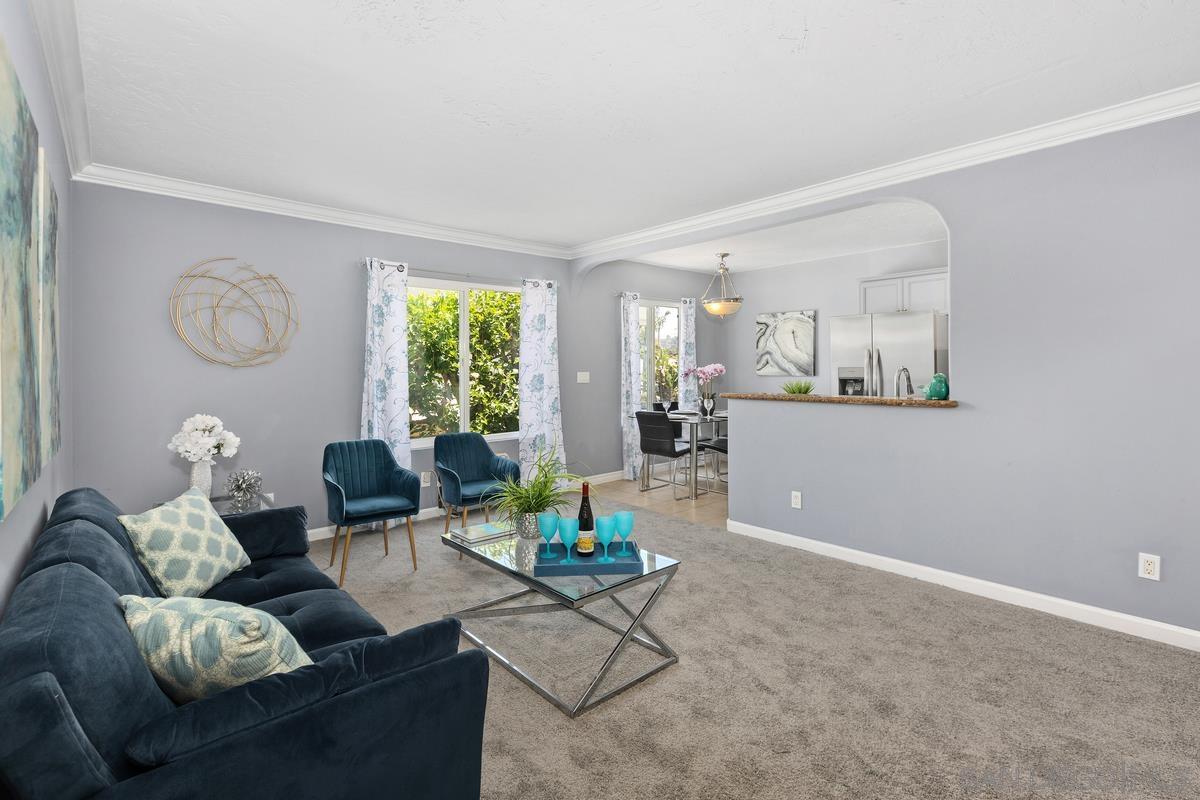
(412, 543)
(487, 514)
(345, 556)
(385, 541)
(337, 531)
(449, 514)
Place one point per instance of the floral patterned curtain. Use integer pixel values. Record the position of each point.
(631, 384)
(689, 394)
(385, 379)
(540, 406)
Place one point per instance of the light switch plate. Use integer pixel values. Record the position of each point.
(797, 500)
(583, 377)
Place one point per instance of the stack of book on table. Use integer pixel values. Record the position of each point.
(483, 532)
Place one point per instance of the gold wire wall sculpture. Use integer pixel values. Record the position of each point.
(229, 313)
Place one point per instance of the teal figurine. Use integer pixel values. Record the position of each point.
(938, 388)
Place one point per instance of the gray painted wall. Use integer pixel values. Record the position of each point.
(137, 380)
(829, 285)
(25, 519)
(1074, 295)
(590, 340)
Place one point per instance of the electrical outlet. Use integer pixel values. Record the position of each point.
(1149, 567)
(583, 377)
(426, 478)
(797, 501)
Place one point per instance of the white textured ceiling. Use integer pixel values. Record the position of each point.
(875, 227)
(564, 122)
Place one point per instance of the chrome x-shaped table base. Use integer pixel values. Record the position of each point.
(633, 633)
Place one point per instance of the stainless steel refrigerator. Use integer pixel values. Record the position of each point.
(869, 349)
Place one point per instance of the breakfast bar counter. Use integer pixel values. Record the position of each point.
(849, 400)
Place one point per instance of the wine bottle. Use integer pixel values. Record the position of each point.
(586, 545)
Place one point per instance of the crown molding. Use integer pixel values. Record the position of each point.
(57, 28)
(59, 35)
(1134, 113)
(236, 198)
(707, 268)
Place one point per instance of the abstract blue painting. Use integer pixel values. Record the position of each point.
(29, 410)
(48, 315)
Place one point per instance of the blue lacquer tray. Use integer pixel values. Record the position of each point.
(551, 566)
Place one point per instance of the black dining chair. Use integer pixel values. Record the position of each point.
(657, 435)
(714, 449)
(674, 406)
(680, 436)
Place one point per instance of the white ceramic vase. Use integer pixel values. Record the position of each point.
(202, 477)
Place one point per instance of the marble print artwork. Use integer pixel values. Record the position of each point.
(20, 327)
(785, 343)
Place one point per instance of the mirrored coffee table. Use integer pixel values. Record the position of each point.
(512, 557)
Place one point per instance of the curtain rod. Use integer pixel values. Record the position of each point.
(422, 272)
(649, 299)
(425, 272)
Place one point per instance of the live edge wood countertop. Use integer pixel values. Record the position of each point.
(846, 401)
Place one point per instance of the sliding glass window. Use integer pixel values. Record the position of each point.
(463, 350)
(658, 330)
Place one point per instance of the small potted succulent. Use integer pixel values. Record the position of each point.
(545, 489)
(799, 387)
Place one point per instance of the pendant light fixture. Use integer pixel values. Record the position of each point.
(728, 301)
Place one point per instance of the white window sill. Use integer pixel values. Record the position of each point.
(427, 442)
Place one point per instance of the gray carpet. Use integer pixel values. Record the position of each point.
(806, 677)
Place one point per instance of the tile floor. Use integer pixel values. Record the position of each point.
(708, 509)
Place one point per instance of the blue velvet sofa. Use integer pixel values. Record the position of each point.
(81, 714)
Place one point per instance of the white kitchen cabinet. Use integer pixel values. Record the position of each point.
(923, 290)
(877, 297)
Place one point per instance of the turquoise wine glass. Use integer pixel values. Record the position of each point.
(568, 532)
(548, 525)
(606, 529)
(624, 520)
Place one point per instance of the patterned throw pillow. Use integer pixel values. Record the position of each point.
(185, 545)
(199, 647)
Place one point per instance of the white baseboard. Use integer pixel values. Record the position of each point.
(1166, 633)
(317, 534)
(606, 477)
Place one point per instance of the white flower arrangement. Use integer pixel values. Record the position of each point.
(201, 438)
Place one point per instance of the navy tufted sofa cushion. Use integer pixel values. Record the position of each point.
(76, 696)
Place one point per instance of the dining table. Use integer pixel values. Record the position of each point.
(692, 421)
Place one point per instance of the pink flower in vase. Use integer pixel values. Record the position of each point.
(706, 375)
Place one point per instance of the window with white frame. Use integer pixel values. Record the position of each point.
(463, 355)
(658, 331)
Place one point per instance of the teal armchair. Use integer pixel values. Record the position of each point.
(469, 473)
(364, 484)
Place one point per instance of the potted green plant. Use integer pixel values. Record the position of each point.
(546, 488)
(798, 387)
